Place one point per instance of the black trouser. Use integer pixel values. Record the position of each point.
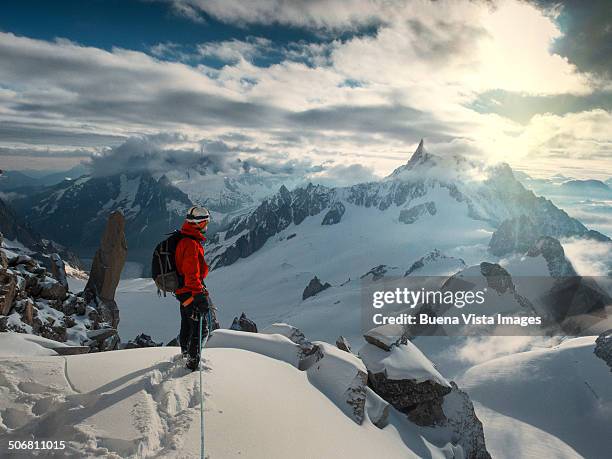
(190, 330)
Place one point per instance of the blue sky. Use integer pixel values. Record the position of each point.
(322, 83)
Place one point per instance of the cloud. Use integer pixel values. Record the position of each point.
(589, 258)
(148, 154)
(587, 33)
(482, 349)
(348, 98)
(320, 14)
(343, 175)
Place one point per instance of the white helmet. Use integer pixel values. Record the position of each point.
(197, 214)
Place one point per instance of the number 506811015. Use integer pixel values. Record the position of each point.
(37, 444)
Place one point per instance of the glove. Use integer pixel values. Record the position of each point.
(200, 303)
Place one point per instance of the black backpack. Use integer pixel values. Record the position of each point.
(163, 265)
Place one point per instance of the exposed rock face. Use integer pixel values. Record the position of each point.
(514, 235)
(421, 401)
(411, 215)
(315, 286)
(435, 256)
(8, 289)
(142, 340)
(272, 216)
(497, 277)
(106, 269)
(243, 323)
(552, 251)
(603, 347)
(518, 234)
(334, 214)
(343, 344)
(465, 425)
(58, 269)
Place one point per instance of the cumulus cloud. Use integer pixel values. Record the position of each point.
(360, 98)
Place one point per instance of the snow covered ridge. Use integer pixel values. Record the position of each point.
(36, 301)
(427, 188)
(263, 393)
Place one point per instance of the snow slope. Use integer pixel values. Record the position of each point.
(565, 391)
(143, 403)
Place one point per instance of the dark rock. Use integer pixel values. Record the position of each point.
(243, 323)
(271, 217)
(334, 214)
(552, 251)
(71, 350)
(343, 344)
(142, 340)
(378, 272)
(52, 291)
(291, 236)
(173, 342)
(8, 290)
(421, 401)
(314, 287)
(467, 429)
(58, 269)
(497, 277)
(411, 215)
(603, 347)
(514, 235)
(106, 268)
(109, 259)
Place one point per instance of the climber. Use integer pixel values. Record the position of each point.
(192, 295)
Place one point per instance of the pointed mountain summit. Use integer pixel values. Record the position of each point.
(420, 156)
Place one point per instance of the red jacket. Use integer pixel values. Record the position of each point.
(190, 263)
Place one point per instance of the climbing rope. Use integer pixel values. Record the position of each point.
(202, 345)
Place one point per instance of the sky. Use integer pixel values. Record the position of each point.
(344, 86)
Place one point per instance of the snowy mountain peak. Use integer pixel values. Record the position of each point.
(418, 155)
(418, 158)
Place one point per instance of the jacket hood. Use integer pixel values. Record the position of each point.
(190, 230)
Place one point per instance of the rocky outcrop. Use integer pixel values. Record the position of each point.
(552, 251)
(377, 272)
(446, 265)
(401, 375)
(142, 340)
(418, 391)
(314, 286)
(343, 344)
(8, 289)
(33, 301)
(514, 235)
(461, 419)
(603, 347)
(106, 270)
(411, 215)
(243, 323)
(334, 214)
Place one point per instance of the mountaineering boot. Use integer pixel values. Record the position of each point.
(193, 363)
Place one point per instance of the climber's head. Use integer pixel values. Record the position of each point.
(199, 217)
